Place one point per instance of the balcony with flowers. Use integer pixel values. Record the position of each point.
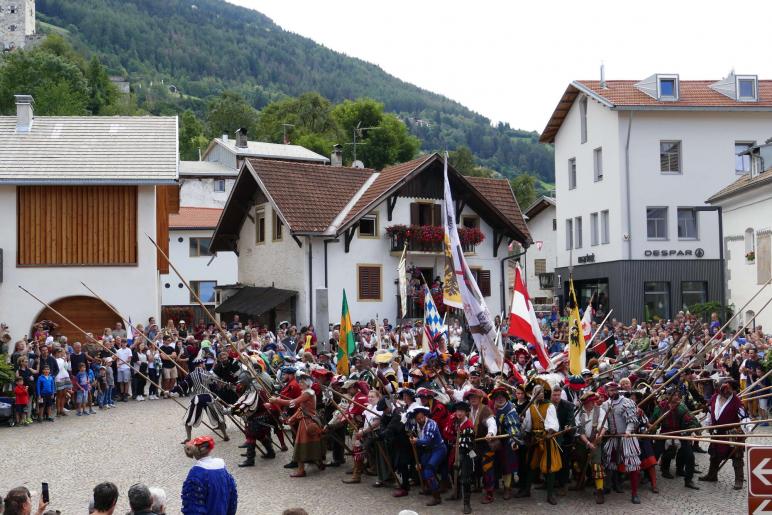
(428, 238)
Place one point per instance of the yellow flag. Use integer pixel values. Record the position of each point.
(451, 294)
(576, 352)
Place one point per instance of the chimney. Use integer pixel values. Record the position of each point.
(241, 138)
(225, 138)
(337, 155)
(603, 76)
(24, 114)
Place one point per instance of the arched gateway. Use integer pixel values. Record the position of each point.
(88, 313)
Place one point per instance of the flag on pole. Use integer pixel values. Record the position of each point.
(402, 274)
(523, 323)
(130, 334)
(451, 294)
(432, 319)
(346, 340)
(587, 322)
(475, 310)
(576, 354)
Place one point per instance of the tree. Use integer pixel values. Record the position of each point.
(308, 114)
(524, 187)
(191, 136)
(101, 92)
(228, 113)
(462, 159)
(382, 139)
(57, 85)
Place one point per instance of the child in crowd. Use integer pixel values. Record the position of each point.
(26, 373)
(21, 399)
(101, 387)
(109, 402)
(46, 388)
(84, 387)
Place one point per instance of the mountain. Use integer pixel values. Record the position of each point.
(204, 47)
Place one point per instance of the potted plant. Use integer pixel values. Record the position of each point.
(750, 256)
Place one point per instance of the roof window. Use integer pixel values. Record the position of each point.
(747, 88)
(667, 87)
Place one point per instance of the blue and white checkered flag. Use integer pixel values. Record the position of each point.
(432, 319)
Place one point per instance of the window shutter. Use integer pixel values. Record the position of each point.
(369, 283)
(414, 216)
(436, 214)
(484, 282)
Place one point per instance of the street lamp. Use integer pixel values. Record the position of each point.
(720, 213)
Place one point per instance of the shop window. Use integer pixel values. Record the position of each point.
(656, 300)
(693, 292)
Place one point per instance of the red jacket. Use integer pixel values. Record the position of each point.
(22, 395)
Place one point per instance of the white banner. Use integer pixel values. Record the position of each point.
(479, 318)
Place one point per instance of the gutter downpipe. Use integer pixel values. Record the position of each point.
(311, 280)
(503, 282)
(627, 186)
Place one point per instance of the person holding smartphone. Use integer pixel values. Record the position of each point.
(19, 502)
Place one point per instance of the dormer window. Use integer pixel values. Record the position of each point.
(747, 88)
(667, 87)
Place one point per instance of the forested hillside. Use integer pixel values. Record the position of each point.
(206, 47)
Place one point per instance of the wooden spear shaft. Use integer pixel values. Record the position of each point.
(600, 326)
(177, 365)
(744, 326)
(756, 392)
(352, 401)
(719, 426)
(243, 359)
(747, 399)
(108, 350)
(673, 437)
(757, 381)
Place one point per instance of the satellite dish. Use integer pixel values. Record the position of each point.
(357, 164)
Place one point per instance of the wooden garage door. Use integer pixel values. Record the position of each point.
(87, 312)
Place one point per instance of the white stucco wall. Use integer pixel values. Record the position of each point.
(603, 128)
(132, 290)
(199, 192)
(540, 227)
(277, 263)
(708, 164)
(223, 268)
(751, 210)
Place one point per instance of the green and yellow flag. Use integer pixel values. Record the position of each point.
(346, 339)
(576, 351)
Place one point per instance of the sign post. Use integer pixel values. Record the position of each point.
(759, 460)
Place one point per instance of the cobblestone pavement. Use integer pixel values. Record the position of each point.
(140, 442)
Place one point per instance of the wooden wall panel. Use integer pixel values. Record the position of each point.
(89, 313)
(77, 225)
(162, 204)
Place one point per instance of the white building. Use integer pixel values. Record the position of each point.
(190, 235)
(305, 232)
(541, 256)
(747, 213)
(232, 152)
(635, 161)
(77, 196)
(205, 183)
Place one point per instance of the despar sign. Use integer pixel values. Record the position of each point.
(664, 253)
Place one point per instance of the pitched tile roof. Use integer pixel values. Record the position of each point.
(195, 218)
(499, 193)
(90, 150)
(692, 94)
(387, 179)
(743, 184)
(309, 196)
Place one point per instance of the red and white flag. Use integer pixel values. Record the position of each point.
(523, 323)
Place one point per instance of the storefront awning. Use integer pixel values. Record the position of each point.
(255, 300)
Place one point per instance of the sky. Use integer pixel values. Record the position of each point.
(512, 60)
